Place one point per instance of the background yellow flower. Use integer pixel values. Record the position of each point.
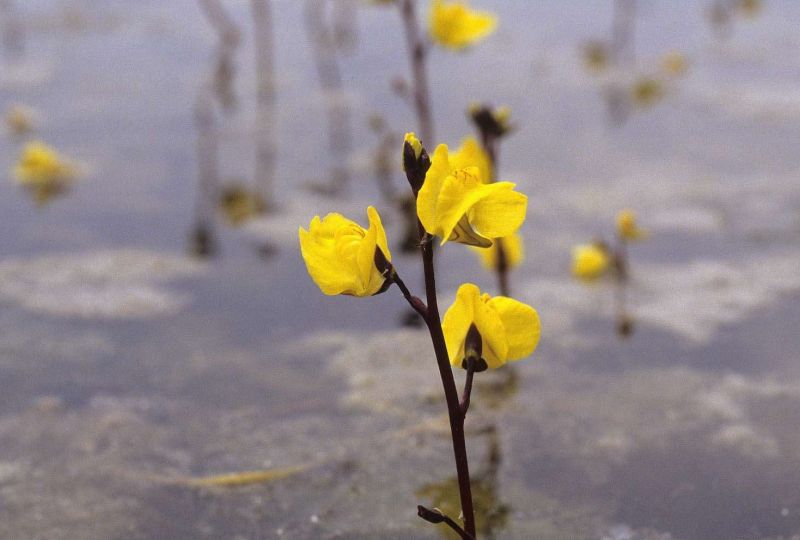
(455, 26)
(513, 249)
(589, 261)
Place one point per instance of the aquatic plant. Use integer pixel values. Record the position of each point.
(43, 171)
(453, 26)
(20, 119)
(492, 126)
(594, 260)
(478, 332)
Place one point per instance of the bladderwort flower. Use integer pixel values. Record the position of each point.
(43, 172)
(491, 122)
(19, 119)
(506, 329)
(41, 164)
(590, 261)
(342, 257)
(456, 205)
(627, 226)
(513, 252)
(674, 64)
(455, 25)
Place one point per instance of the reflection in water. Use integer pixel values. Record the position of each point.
(202, 242)
(265, 138)
(12, 34)
(491, 514)
(721, 14)
(229, 38)
(219, 86)
(325, 37)
(497, 386)
(384, 160)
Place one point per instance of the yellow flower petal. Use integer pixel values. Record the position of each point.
(340, 254)
(509, 329)
(41, 164)
(472, 154)
(589, 261)
(457, 320)
(492, 331)
(454, 25)
(447, 195)
(521, 323)
(429, 193)
(627, 228)
(500, 212)
(460, 192)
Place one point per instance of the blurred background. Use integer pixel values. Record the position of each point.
(158, 327)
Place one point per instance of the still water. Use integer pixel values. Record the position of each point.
(129, 368)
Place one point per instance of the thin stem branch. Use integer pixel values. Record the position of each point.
(465, 395)
(433, 516)
(456, 417)
(417, 304)
(265, 131)
(418, 55)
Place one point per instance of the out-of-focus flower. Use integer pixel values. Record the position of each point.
(456, 205)
(627, 227)
(19, 119)
(491, 121)
(341, 256)
(506, 329)
(647, 91)
(590, 261)
(43, 171)
(749, 8)
(513, 250)
(674, 64)
(455, 26)
(239, 204)
(595, 56)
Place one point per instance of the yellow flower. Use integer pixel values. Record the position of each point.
(674, 64)
(455, 26)
(749, 8)
(340, 254)
(590, 261)
(647, 91)
(509, 330)
(595, 56)
(40, 165)
(240, 204)
(627, 228)
(472, 154)
(513, 249)
(19, 119)
(456, 205)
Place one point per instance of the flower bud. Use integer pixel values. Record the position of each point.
(489, 121)
(415, 161)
